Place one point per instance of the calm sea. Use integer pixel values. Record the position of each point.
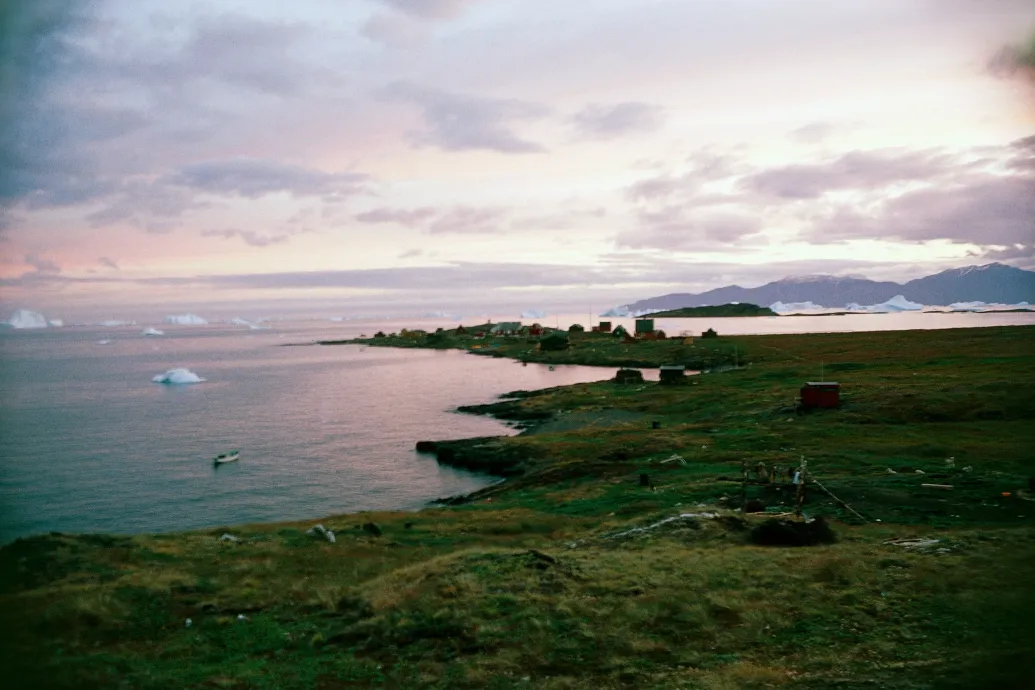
(89, 443)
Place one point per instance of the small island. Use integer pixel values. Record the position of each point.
(719, 310)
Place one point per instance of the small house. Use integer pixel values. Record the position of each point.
(535, 330)
(604, 327)
(620, 332)
(672, 374)
(820, 394)
(644, 326)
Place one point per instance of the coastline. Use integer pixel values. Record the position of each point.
(573, 544)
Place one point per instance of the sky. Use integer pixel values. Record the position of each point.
(366, 157)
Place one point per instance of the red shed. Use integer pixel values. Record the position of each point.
(820, 394)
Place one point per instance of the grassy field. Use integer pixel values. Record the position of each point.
(573, 575)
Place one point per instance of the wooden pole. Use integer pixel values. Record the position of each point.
(801, 486)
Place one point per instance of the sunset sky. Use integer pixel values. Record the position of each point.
(404, 156)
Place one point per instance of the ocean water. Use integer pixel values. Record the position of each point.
(89, 443)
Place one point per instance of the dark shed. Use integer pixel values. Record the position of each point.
(820, 394)
(672, 374)
(644, 326)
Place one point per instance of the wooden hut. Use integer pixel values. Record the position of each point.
(672, 374)
(820, 394)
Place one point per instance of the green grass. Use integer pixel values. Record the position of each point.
(536, 582)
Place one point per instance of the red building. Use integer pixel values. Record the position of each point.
(820, 394)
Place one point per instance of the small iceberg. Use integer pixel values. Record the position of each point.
(533, 314)
(152, 331)
(114, 323)
(24, 318)
(896, 304)
(104, 342)
(185, 320)
(56, 323)
(792, 307)
(178, 376)
(238, 321)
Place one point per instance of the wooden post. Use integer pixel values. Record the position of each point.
(743, 484)
(801, 486)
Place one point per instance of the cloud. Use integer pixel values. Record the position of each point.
(250, 237)
(394, 30)
(456, 122)
(42, 266)
(704, 167)
(456, 220)
(253, 178)
(407, 217)
(621, 119)
(679, 229)
(1015, 60)
(105, 261)
(812, 133)
(434, 10)
(465, 220)
(410, 253)
(854, 170)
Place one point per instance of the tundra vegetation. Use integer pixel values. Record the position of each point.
(571, 574)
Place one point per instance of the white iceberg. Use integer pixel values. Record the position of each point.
(533, 314)
(23, 318)
(792, 307)
(56, 323)
(178, 376)
(113, 323)
(152, 331)
(238, 321)
(895, 304)
(104, 342)
(185, 320)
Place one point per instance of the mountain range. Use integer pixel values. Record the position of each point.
(993, 283)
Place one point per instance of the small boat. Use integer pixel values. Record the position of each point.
(224, 458)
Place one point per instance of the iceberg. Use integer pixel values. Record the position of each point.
(23, 318)
(113, 323)
(178, 376)
(152, 331)
(104, 342)
(625, 312)
(533, 314)
(791, 307)
(56, 323)
(238, 321)
(185, 320)
(896, 303)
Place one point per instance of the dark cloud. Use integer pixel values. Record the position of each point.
(152, 206)
(250, 237)
(854, 170)
(43, 266)
(1015, 60)
(680, 229)
(105, 261)
(704, 167)
(456, 122)
(253, 178)
(605, 121)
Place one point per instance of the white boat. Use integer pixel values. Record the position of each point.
(224, 458)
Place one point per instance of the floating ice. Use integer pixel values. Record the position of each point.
(791, 307)
(533, 314)
(625, 312)
(56, 323)
(895, 304)
(104, 342)
(185, 320)
(113, 323)
(23, 318)
(238, 321)
(152, 331)
(178, 376)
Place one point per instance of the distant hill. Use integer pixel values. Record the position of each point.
(739, 309)
(996, 283)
